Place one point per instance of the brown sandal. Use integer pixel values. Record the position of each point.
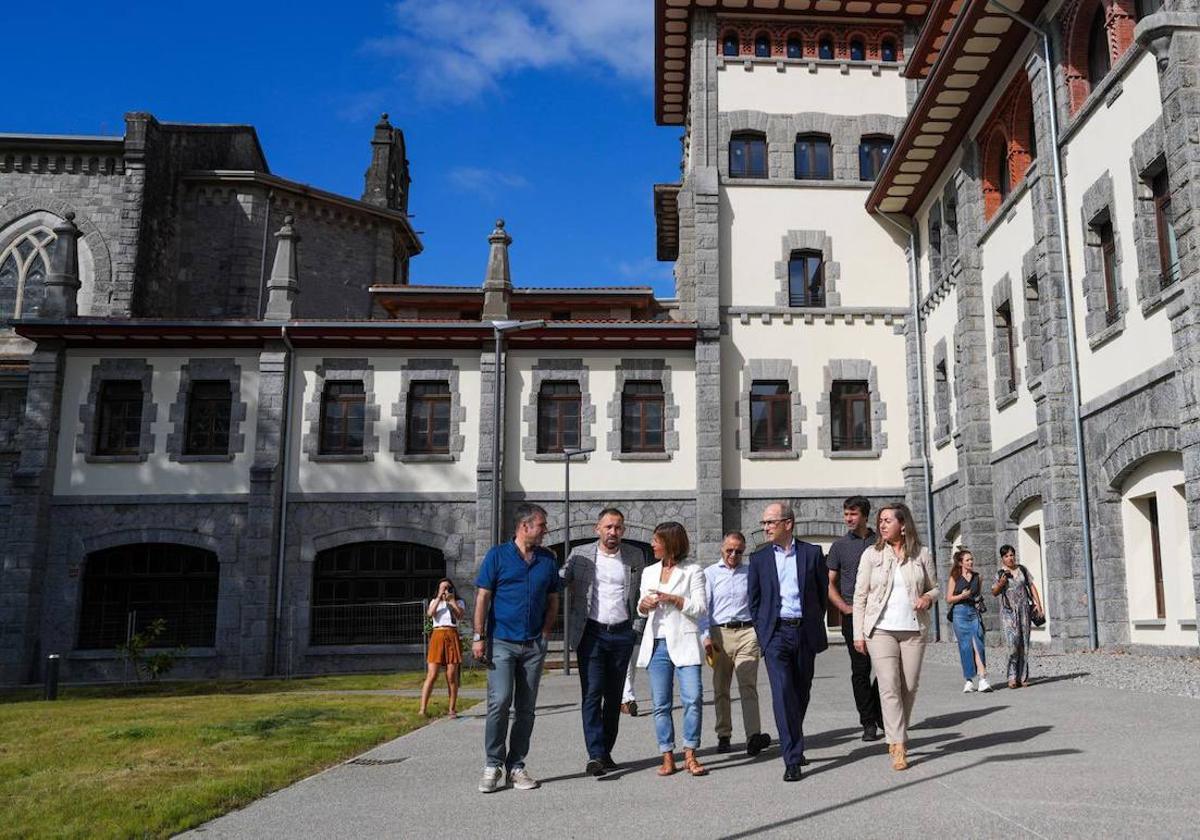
(692, 764)
(899, 758)
(668, 765)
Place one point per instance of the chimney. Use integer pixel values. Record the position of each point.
(284, 284)
(497, 283)
(62, 281)
(386, 181)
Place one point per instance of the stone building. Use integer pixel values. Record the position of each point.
(906, 267)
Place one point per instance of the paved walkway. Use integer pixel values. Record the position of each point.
(1060, 759)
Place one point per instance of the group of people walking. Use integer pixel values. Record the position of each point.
(770, 607)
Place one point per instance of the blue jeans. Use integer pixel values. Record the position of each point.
(968, 629)
(662, 673)
(515, 677)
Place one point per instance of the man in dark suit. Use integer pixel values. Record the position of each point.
(789, 589)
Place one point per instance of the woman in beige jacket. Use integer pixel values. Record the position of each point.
(896, 586)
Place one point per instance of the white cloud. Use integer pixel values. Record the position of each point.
(486, 183)
(459, 49)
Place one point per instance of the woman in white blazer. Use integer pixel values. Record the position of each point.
(673, 600)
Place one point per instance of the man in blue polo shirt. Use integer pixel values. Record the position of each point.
(516, 603)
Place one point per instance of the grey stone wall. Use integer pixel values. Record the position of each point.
(1098, 209)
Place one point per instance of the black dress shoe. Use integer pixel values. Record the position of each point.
(871, 733)
(630, 708)
(803, 762)
(757, 742)
(609, 764)
(594, 767)
(792, 773)
(722, 745)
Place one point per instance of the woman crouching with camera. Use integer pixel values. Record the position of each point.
(445, 649)
(965, 607)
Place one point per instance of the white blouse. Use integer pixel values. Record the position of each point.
(442, 617)
(898, 614)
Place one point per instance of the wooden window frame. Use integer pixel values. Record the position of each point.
(812, 142)
(746, 141)
(1161, 189)
(119, 415)
(806, 298)
(421, 425)
(340, 396)
(202, 433)
(1108, 270)
(871, 152)
(841, 428)
(778, 436)
(634, 439)
(552, 441)
(1004, 322)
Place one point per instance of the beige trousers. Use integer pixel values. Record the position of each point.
(896, 657)
(738, 654)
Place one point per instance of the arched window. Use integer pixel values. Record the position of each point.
(806, 279)
(872, 155)
(1001, 176)
(373, 593)
(24, 265)
(730, 45)
(748, 155)
(133, 586)
(825, 48)
(794, 48)
(887, 50)
(858, 52)
(1099, 61)
(814, 157)
(762, 45)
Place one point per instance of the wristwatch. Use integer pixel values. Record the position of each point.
(479, 637)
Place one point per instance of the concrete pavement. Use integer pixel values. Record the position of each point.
(1059, 759)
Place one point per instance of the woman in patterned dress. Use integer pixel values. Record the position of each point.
(1015, 589)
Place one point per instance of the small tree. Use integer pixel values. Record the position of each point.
(137, 652)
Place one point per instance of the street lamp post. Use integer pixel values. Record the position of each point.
(568, 454)
(499, 328)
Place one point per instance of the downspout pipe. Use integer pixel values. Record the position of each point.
(1069, 301)
(281, 524)
(914, 293)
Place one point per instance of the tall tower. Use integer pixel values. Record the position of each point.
(789, 109)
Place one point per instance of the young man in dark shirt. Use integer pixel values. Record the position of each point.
(843, 559)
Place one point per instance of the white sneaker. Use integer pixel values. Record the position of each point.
(492, 781)
(984, 685)
(521, 780)
(967, 687)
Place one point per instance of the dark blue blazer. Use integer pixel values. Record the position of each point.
(763, 585)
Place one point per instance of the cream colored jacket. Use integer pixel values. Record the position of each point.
(680, 626)
(878, 571)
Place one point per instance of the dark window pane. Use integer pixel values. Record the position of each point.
(429, 418)
(1099, 57)
(119, 418)
(887, 51)
(729, 45)
(872, 155)
(825, 49)
(343, 409)
(558, 416)
(770, 417)
(747, 156)
(210, 404)
(857, 51)
(762, 46)
(850, 407)
(806, 279)
(794, 49)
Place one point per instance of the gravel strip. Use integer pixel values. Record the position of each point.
(1173, 675)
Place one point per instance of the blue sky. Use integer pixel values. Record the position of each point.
(540, 111)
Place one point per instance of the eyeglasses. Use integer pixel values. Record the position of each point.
(734, 553)
(766, 522)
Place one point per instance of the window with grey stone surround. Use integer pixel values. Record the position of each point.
(427, 370)
(557, 370)
(949, 225)
(342, 370)
(808, 240)
(1099, 212)
(935, 242)
(1147, 165)
(199, 370)
(781, 130)
(771, 370)
(941, 395)
(643, 370)
(1004, 343)
(1033, 315)
(840, 370)
(117, 370)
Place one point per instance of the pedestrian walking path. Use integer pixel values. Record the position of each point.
(1059, 759)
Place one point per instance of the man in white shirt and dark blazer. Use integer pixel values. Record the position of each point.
(603, 578)
(789, 589)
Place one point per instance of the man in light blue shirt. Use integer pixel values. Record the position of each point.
(730, 643)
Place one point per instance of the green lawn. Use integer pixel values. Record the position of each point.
(153, 760)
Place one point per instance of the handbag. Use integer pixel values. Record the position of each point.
(1036, 616)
